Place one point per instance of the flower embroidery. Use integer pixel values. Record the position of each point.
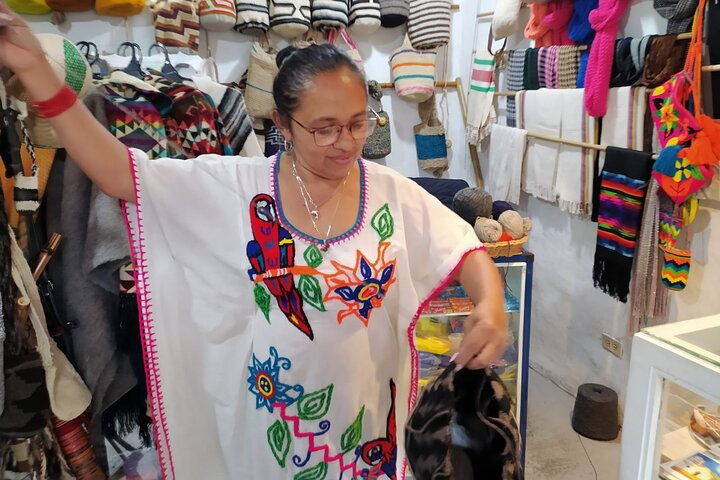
(361, 287)
(668, 116)
(264, 382)
(683, 169)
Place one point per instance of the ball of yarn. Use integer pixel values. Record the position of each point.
(527, 225)
(498, 207)
(512, 223)
(488, 230)
(472, 202)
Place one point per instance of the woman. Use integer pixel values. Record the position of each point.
(279, 296)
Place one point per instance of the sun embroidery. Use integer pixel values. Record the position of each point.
(264, 381)
(361, 287)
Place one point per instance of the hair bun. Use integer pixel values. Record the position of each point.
(284, 54)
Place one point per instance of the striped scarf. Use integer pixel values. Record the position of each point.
(481, 112)
(516, 65)
(622, 195)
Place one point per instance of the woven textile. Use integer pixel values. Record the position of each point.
(542, 62)
(568, 65)
(177, 24)
(516, 64)
(530, 70)
(622, 196)
(678, 12)
(252, 16)
(552, 64)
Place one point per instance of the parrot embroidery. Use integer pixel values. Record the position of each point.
(272, 255)
(382, 452)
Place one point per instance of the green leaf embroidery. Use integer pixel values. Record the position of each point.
(262, 299)
(311, 292)
(312, 256)
(315, 405)
(318, 472)
(352, 436)
(278, 436)
(383, 223)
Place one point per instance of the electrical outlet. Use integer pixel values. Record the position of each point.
(612, 345)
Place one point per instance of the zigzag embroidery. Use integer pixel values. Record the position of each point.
(311, 441)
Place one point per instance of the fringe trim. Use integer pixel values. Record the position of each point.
(612, 278)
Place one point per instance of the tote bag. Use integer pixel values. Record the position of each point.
(217, 15)
(262, 70)
(429, 23)
(413, 72)
(252, 16)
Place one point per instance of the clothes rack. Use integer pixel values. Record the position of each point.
(572, 143)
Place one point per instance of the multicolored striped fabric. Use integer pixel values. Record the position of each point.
(676, 267)
(622, 197)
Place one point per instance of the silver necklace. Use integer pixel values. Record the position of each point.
(312, 207)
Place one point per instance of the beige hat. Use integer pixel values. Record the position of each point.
(68, 64)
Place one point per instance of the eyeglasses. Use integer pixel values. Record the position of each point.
(359, 130)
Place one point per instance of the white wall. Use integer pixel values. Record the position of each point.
(568, 313)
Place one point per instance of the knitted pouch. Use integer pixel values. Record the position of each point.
(27, 405)
(674, 123)
(261, 74)
(378, 144)
(217, 15)
(413, 72)
(71, 5)
(394, 13)
(119, 8)
(429, 23)
(351, 51)
(177, 24)
(330, 14)
(675, 267)
(430, 142)
(252, 16)
(34, 7)
(290, 18)
(364, 16)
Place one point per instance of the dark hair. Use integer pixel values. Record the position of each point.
(298, 67)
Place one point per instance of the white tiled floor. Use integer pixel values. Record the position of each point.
(554, 450)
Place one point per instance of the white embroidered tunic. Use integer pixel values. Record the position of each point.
(266, 357)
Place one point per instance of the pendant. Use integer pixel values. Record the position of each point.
(314, 214)
(325, 247)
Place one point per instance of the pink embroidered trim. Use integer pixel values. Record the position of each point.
(411, 337)
(147, 331)
(356, 229)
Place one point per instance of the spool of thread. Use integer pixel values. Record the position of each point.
(596, 412)
(472, 202)
(512, 223)
(488, 230)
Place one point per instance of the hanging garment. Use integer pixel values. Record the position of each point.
(542, 65)
(394, 13)
(305, 314)
(236, 122)
(568, 64)
(582, 69)
(605, 21)
(558, 20)
(639, 48)
(253, 16)
(194, 117)
(678, 12)
(552, 67)
(514, 79)
(666, 57)
(177, 24)
(538, 112)
(530, 70)
(623, 186)
(536, 28)
(580, 31)
(481, 110)
(83, 274)
(625, 70)
(505, 162)
(505, 18)
(463, 427)
(648, 302)
(575, 165)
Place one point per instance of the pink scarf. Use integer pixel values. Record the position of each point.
(558, 20)
(605, 21)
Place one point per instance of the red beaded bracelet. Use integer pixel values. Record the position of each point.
(58, 104)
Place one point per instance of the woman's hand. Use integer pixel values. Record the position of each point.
(485, 338)
(20, 51)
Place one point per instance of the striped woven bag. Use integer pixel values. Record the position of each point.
(413, 72)
(429, 23)
(217, 15)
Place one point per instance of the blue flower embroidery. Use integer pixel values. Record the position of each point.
(264, 382)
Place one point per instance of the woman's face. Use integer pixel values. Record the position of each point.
(337, 97)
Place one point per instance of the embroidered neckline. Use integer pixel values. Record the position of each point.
(354, 230)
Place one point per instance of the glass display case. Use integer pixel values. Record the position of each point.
(439, 330)
(672, 410)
